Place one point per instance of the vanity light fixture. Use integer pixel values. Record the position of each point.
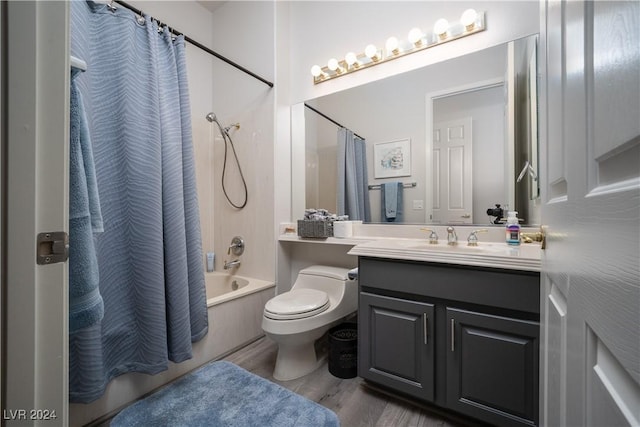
(371, 51)
(415, 37)
(470, 22)
(351, 60)
(334, 66)
(392, 46)
(468, 19)
(440, 28)
(317, 73)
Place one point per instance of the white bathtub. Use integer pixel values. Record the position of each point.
(223, 287)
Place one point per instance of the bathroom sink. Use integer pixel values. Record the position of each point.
(486, 254)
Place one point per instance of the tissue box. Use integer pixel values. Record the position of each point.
(317, 229)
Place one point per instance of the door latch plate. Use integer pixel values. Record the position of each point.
(52, 247)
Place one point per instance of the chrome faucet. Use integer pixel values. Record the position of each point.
(237, 246)
(472, 240)
(433, 237)
(231, 264)
(452, 237)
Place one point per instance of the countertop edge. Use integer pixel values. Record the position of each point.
(489, 261)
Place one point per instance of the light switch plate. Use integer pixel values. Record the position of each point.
(418, 205)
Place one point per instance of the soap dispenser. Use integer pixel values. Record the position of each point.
(513, 229)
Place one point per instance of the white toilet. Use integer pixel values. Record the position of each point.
(321, 297)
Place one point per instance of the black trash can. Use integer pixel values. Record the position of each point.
(343, 350)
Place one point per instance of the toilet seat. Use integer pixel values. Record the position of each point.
(296, 304)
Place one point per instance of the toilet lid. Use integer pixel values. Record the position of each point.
(297, 304)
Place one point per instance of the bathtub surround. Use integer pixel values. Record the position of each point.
(223, 394)
(150, 255)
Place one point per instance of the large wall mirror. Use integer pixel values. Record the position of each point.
(465, 130)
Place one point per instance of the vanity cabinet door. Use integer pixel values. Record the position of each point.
(492, 367)
(396, 344)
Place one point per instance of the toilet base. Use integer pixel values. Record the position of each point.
(295, 361)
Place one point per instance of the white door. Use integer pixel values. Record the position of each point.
(35, 379)
(452, 172)
(590, 159)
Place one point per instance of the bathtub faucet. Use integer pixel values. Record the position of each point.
(231, 264)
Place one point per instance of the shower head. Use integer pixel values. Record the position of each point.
(213, 119)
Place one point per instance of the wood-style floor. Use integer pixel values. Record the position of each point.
(355, 403)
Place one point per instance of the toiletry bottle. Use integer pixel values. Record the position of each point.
(211, 259)
(513, 229)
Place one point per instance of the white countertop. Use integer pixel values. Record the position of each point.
(351, 241)
(525, 257)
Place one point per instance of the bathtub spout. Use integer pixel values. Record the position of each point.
(231, 264)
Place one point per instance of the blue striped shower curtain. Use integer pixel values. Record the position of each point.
(353, 187)
(149, 255)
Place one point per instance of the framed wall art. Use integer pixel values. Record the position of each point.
(391, 159)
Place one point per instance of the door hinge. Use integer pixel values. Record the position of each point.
(52, 247)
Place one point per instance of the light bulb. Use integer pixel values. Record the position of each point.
(440, 28)
(415, 36)
(333, 64)
(392, 45)
(468, 19)
(316, 71)
(351, 59)
(372, 52)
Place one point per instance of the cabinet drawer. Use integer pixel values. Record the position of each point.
(507, 289)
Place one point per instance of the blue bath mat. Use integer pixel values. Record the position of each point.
(223, 394)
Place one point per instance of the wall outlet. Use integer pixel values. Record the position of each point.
(418, 205)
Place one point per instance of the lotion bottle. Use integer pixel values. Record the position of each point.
(513, 229)
(211, 259)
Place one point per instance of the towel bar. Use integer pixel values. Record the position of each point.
(404, 185)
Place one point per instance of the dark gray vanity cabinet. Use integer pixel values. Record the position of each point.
(399, 352)
(463, 338)
(492, 367)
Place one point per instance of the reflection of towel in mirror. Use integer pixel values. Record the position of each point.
(391, 201)
(85, 302)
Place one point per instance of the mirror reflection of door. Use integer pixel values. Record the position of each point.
(471, 183)
(452, 172)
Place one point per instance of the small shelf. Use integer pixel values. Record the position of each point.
(348, 241)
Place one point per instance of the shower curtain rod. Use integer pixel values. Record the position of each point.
(330, 119)
(196, 44)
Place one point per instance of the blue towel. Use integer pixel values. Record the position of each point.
(85, 302)
(391, 201)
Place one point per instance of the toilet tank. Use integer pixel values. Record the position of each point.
(331, 280)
